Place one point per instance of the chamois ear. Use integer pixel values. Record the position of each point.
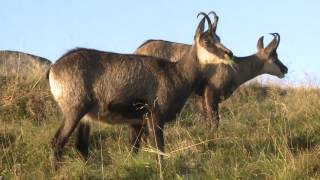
(260, 43)
(200, 28)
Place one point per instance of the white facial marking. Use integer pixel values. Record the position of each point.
(55, 87)
(205, 57)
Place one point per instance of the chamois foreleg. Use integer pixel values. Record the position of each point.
(135, 133)
(155, 131)
(215, 113)
(203, 106)
(211, 106)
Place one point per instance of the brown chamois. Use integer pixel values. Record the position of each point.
(127, 89)
(135, 131)
(224, 79)
(175, 51)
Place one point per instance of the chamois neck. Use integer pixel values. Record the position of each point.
(247, 68)
(188, 65)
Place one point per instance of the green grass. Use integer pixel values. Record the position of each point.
(265, 133)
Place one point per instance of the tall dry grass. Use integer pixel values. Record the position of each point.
(266, 132)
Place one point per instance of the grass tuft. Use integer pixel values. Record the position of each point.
(265, 133)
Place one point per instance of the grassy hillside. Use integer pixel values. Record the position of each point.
(265, 133)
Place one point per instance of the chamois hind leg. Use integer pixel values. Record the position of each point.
(135, 133)
(82, 139)
(72, 116)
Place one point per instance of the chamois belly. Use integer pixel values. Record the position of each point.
(171, 108)
(111, 118)
(117, 114)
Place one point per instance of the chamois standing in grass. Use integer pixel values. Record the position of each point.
(127, 89)
(221, 80)
(225, 78)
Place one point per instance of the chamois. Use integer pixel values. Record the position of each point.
(224, 79)
(175, 51)
(127, 89)
(136, 131)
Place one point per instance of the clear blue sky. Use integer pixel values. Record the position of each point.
(50, 28)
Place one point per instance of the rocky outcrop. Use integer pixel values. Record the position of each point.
(22, 66)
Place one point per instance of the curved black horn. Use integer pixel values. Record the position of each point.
(273, 44)
(278, 38)
(216, 19)
(213, 13)
(210, 28)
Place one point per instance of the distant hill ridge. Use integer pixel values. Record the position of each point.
(22, 65)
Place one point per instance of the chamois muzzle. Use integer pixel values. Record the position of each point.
(227, 51)
(230, 54)
(282, 67)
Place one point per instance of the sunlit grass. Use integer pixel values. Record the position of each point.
(265, 133)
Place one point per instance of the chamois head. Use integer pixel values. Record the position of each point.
(272, 65)
(209, 48)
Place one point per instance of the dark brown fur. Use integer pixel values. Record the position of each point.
(222, 80)
(139, 90)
